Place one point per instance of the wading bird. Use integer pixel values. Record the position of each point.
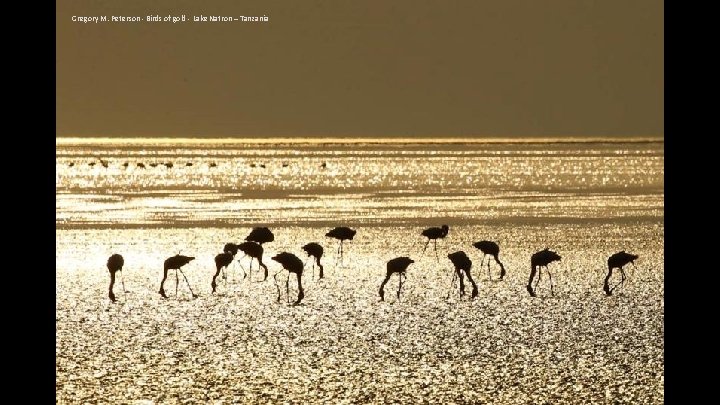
(397, 265)
(292, 264)
(221, 261)
(462, 262)
(232, 249)
(341, 233)
(255, 251)
(538, 260)
(175, 263)
(492, 249)
(618, 260)
(115, 263)
(260, 235)
(315, 250)
(434, 234)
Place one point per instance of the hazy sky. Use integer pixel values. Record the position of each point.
(363, 68)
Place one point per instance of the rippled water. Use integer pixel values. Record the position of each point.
(586, 201)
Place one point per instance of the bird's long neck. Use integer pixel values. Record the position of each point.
(112, 280)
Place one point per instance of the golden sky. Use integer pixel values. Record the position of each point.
(376, 68)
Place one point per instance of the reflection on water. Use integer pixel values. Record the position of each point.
(341, 344)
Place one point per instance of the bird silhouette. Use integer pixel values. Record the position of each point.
(292, 264)
(617, 261)
(175, 263)
(397, 265)
(341, 233)
(115, 263)
(434, 234)
(538, 260)
(231, 248)
(315, 250)
(255, 251)
(490, 248)
(462, 262)
(221, 261)
(260, 235)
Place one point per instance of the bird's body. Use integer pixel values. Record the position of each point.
(462, 263)
(260, 235)
(490, 248)
(292, 264)
(397, 265)
(316, 251)
(618, 261)
(538, 260)
(433, 234)
(341, 233)
(221, 261)
(175, 263)
(255, 251)
(231, 248)
(115, 263)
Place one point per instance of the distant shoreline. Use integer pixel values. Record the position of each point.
(60, 141)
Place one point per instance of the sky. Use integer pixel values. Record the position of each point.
(374, 68)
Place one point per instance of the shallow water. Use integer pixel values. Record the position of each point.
(342, 345)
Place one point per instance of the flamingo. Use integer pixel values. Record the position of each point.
(260, 235)
(541, 259)
(341, 233)
(315, 250)
(221, 261)
(292, 264)
(461, 261)
(434, 234)
(175, 263)
(397, 265)
(231, 248)
(618, 260)
(255, 251)
(115, 263)
(490, 248)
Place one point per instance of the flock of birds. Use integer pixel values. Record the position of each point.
(252, 248)
(170, 165)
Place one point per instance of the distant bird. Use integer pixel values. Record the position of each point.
(253, 165)
(285, 164)
(169, 165)
(492, 249)
(260, 235)
(462, 262)
(397, 265)
(315, 250)
(104, 163)
(262, 165)
(213, 164)
(175, 263)
(618, 260)
(324, 165)
(153, 164)
(126, 164)
(539, 260)
(221, 261)
(341, 233)
(91, 164)
(434, 234)
(71, 164)
(292, 264)
(255, 251)
(188, 164)
(141, 165)
(115, 263)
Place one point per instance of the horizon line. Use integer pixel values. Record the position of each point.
(68, 140)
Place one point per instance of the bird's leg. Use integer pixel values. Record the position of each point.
(502, 268)
(188, 284)
(435, 247)
(122, 280)
(425, 248)
(462, 283)
(287, 287)
(488, 267)
(301, 293)
(177, 281)
(276, 285)
(400, 282)
(162, 289)
(551, 283)
(539, 276)
(606, 286)
(317, 260)
(622, 279)
(452, 283)
(242, 268)
(264, 267)
(475, 288)
(482, 261)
